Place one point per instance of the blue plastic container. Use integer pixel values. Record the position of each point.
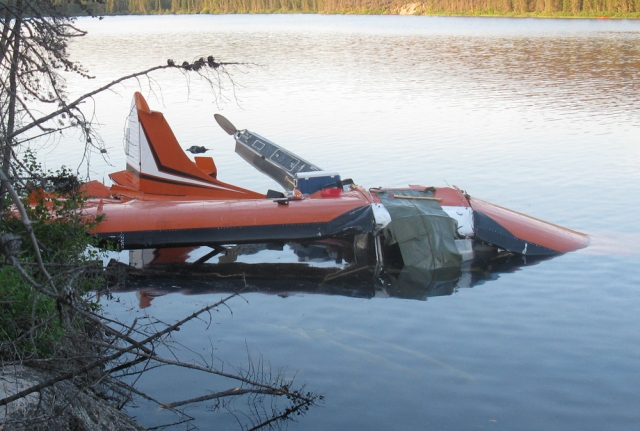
(311, 182)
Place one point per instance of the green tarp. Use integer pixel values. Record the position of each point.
(423, 231)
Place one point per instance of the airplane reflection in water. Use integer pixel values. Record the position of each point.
(328, 267)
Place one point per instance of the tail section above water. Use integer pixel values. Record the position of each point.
(157, 165)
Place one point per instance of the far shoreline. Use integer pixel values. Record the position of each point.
(409, 9)
(634, 16)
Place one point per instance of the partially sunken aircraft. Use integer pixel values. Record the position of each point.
(164, 199)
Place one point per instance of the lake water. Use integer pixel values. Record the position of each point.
(540, 116)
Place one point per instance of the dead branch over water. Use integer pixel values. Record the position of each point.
(50, 319)
(97, 353)
(100, 359)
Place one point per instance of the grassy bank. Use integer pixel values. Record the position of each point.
(629, 9)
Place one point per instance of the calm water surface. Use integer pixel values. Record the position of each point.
(541, 116)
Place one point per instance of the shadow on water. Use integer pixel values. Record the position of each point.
(315, 268)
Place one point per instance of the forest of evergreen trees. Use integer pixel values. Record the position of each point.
(586, 8)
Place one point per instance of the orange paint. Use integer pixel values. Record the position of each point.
(140, 215)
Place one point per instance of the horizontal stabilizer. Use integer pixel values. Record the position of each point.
(95, 189)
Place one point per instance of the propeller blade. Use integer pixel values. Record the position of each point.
(225, 124)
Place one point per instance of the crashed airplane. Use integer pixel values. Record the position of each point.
(164, 199)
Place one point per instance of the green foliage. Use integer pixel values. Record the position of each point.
(23, 309)
(54, 203)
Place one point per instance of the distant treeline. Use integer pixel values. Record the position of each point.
(559, 8)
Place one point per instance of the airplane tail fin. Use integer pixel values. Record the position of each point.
(157, 165)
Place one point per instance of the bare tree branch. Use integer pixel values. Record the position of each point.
(222, 394)
(67, 107)
(84, 345)
(103, 360)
